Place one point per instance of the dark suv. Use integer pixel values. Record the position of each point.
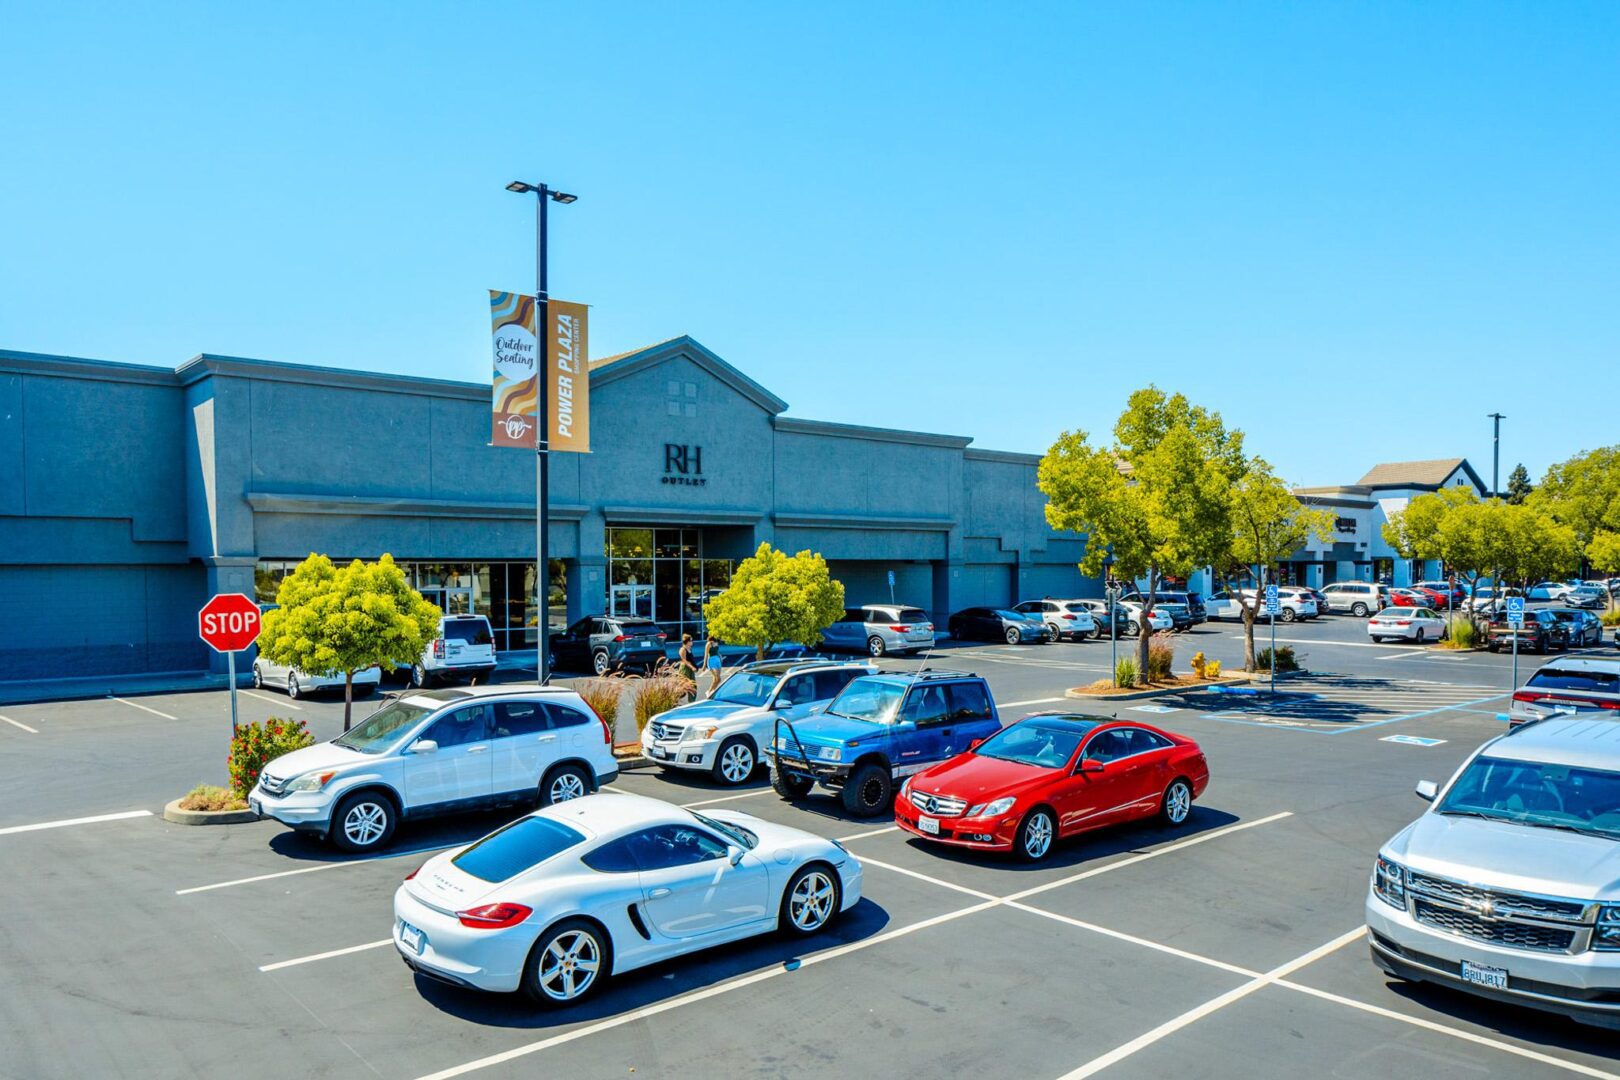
(876, 732)
(1541, 632)
(603, 643)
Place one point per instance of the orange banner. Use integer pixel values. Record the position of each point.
(569, 398)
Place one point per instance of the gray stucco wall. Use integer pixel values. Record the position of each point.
(137, 492)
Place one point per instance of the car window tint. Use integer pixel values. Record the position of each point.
(513, 718)
(1144, 741)
(1554, 678)
(829, 683)
(469, 631)
(674, 845)
(968, 701)
(853, 615)
(463, 726)
(564, 717)
(798, 690)
(1107, 746)
(614, 857)
(913, 615)
(509, 851)
(926, 705)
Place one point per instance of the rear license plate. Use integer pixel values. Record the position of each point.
(928, 825)
(411, 937)
(1492, 977)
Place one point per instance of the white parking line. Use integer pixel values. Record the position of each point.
(864, 835)
(941, 882)
(727, 798)
(1156, 946)
(326, 955)
(143, 708)
(122, 815)
(312, 869)
(19, 724)
(1215, 1004)
(1466, 1036)
(1031, 701)
(285, 703)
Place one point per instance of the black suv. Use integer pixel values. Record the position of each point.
(603, 643)
(1541, 632)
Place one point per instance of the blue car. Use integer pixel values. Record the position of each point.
(876, 732)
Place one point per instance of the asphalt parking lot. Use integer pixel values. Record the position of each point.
(1230, 947)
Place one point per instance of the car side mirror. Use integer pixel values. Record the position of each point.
(906, 725)
(424, 746)
(734, 854)
(1427, 790)
(975, 744)
(1091, 765)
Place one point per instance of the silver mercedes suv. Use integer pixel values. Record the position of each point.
(1508, 887)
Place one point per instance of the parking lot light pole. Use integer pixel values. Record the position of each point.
(1496, 452)
(542, 429)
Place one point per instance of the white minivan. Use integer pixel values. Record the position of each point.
(434, 752)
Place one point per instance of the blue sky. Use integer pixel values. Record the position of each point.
(1353, 229)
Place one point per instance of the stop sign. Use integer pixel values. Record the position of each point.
(229, 622)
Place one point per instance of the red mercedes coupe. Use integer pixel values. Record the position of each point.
(1050, 776)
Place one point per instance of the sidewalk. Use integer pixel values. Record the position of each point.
(167, 682)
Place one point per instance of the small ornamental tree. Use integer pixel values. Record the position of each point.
(1268, 525)
(331, 620)
(775, 597)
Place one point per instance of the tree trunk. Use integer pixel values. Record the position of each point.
(1146, 633)
(759, 650)
(348, 697)
(1248, 634)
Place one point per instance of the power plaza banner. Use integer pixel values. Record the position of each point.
(516, 387)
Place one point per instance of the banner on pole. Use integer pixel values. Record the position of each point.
(569, 397)
(516, 390)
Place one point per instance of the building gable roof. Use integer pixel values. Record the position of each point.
(622, 365)
(1418, 474)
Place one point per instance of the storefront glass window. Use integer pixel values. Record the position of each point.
(671, 585)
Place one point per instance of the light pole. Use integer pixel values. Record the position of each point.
(542, 430)
(1496, 452)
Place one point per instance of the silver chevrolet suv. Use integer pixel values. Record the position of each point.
(1508, 887)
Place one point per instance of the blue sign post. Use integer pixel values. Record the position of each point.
(891, 586)
(1515, 618)
(1272, 604)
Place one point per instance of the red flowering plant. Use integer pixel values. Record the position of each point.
(255, 745)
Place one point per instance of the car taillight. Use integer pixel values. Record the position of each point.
(1527, 697)
(1071, 618)
(413, 873)
(620, 637)
(901, 629)
(607, 732)
(662, 636)
(494, 916)
(1403, 622)
(438, 649)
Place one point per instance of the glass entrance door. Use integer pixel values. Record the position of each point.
(449, 601)
(632, 601)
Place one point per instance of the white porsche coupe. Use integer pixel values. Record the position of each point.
(559, 900)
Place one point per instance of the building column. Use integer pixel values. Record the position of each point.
(587, 587)
(947, 583)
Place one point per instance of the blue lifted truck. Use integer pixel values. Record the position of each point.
(876, 732)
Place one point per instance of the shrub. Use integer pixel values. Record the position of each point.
(1462, 633)
(659, 693)
(256, 745)
(1285, 659)
(1125, 673)
(1161, 655)
(603, 696)
(1212, 669)
(212, 797)
(1611, 618)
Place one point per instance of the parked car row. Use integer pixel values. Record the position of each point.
(463, 648)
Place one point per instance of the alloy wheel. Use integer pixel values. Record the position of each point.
(736, 763)
(599, 663)
(811, 904)
(292, 687)
(365, 823)
(569, 965)
(566, 786)
(1037, 835)
(1177, 803)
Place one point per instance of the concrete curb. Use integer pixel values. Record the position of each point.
(633, 761)
(172, 812)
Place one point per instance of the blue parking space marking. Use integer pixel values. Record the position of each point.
(1411, 740)
(1153, 709)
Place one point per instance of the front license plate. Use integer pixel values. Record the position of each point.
(411, 937)
(928, 825)
(255, 806)
(661, 755)
(1493, 977)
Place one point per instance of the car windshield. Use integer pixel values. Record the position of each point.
(383, 728)
(1033, 742)
(873, 700)
(522, 845)
(746, 688)
(741, 835)
(1538, 794)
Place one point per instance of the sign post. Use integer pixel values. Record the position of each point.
(229, 623)
(891, 586)
(1272, 603)
(1515, 618)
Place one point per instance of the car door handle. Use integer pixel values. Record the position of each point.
(477, 749)
(658, 894)
(547, 738)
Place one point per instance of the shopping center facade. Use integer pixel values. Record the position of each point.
(135, 492)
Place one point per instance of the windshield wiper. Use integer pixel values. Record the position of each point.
(1478, 814)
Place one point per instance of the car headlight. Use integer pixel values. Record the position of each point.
(991, 809)
(1607, 935)
(829, 753)
(314, 781)
(905, 788)
(705, 732)
(1389, 882)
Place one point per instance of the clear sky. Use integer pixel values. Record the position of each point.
(1355, 229)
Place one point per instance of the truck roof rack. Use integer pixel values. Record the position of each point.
(933, 673)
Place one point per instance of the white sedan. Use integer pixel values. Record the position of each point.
(559, 900)
(1413, 624)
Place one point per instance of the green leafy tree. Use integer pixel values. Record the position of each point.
(1268, 524)
(1157, 500)
(1583, 492)
(332, 620)
(1603, 553)
(1518, 488)
(776, 597)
